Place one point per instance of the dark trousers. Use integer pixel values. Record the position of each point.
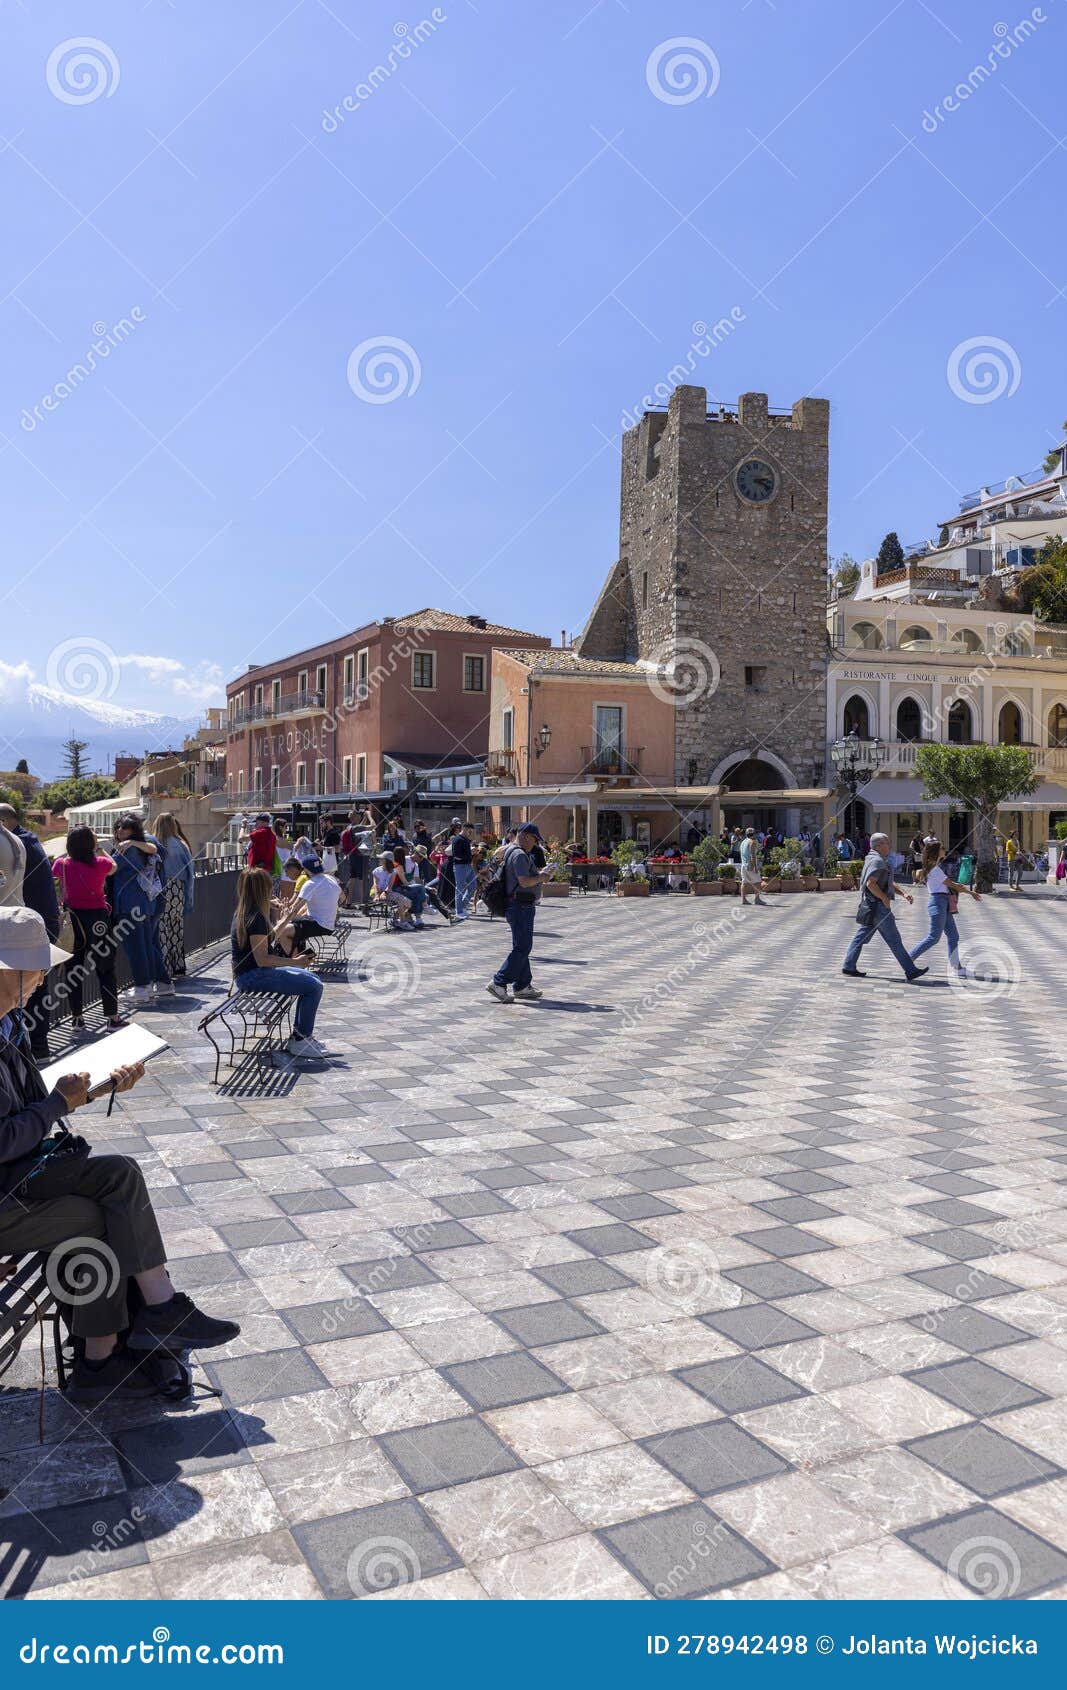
(71, 1205)
(516, 970)
(37, 1020)
(94, 945)
(304, 928)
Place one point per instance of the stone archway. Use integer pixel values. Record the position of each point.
(758, 768)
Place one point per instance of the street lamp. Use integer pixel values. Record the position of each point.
(856, 759)
(544, 740)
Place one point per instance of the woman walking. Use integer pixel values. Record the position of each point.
(139, 878)
(177, 894)
(81, 878)
(944, 898)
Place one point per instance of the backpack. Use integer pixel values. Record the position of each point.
(494, 893)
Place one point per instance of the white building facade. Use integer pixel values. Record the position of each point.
(906, 672)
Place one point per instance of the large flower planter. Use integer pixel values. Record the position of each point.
(633, 888)
(730, 885)
(830, 883)
(810, 882)
(772, 885)
(705, 888)
(786, 885)
(556, 889)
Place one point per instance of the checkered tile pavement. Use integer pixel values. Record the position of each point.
(713, 1274)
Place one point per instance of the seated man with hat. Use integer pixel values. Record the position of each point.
(92, 1214)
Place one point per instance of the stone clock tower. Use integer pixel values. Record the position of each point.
(722, 575)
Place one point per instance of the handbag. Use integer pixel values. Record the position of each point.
(65, 936)
(866, 910)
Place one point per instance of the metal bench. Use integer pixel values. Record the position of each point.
(256, 1024)
(27, 1302)
(331, 947)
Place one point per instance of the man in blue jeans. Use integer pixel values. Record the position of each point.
(522, 890)
(461, 850)
(877, 890)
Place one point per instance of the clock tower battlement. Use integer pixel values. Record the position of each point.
(722, 548)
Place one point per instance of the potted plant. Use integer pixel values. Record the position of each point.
(850, 873)
(809, 879)
(830, 879)
(704, 861)
(729, 879)
(629, 859)
(788, 859)
(560, 884)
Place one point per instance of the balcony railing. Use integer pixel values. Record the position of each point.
(502, 763)
(618, 760)
(288, 704)
(901, 755)
(356, 695)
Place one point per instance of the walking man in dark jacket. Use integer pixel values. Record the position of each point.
(522, 892)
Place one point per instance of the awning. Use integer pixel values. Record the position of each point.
(889, 794)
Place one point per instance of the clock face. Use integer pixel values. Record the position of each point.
(756, 481)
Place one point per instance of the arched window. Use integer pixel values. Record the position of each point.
(915, 639)
(1057, 725)
(864, 636)
(965, 639)
(857, 717)
(960, 723)
(1010, 724)
(909, 719)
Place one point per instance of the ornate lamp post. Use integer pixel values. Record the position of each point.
(856, 759)
(543, 740)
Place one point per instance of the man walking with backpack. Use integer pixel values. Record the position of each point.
(516, 888)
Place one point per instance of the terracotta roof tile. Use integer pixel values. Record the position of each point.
(557, 662)
(446, 622)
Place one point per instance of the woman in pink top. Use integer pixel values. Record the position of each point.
(81, 876)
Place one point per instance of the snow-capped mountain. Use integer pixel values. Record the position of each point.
(36, 720)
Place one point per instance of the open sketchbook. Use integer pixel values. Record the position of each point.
(99, 1060)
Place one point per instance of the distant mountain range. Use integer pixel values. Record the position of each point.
(37, 720)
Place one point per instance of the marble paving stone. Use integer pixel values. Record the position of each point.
(392, 1273)
(793, 1517)
(271, 1566)
(278, 1373)
(682, 1552)
(501, 1381)
(573, 1569)
(499, 1516)
(893, 1488)
(970, 1329)
(223, 1506)
(715, 1456)
(969, 1283)
(984, 1460)
(758, 1326)
(347, 1317)
(311, 1484)
(547, 1323)
(643, 1407)
(368, 1550)
(735, 1385)
(991, 1554)
(552, 1428)
(603, 1486)
(450, 1452)
(975, 1387)
(772, 1279)
(581, 1278)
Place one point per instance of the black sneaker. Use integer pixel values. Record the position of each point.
(120, 1376)
(180, 1325)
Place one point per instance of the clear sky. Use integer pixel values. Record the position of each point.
(513, 199)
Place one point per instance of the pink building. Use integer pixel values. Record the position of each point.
(397, 710)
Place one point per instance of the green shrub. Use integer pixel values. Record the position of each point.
(706, 857)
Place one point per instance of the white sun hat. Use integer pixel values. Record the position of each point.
(24, 943)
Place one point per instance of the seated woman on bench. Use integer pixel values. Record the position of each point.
(57, 1197)
(260, 965)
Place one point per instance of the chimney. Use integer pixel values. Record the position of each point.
(477, 621)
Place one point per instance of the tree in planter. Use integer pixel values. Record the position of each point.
(704, 859)
(557, 862)
(629, 858)
(788, 858)
(978, 778)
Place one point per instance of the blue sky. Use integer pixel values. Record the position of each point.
(517, 204)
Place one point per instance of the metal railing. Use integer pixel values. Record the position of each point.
(289, 704)
(611, 759)
(903, 754)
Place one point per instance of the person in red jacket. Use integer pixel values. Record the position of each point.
(262, 845)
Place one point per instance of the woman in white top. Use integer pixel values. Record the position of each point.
(941, 909)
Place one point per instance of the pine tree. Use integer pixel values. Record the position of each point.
(22, 767)
(72, 756)
(890, 554)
